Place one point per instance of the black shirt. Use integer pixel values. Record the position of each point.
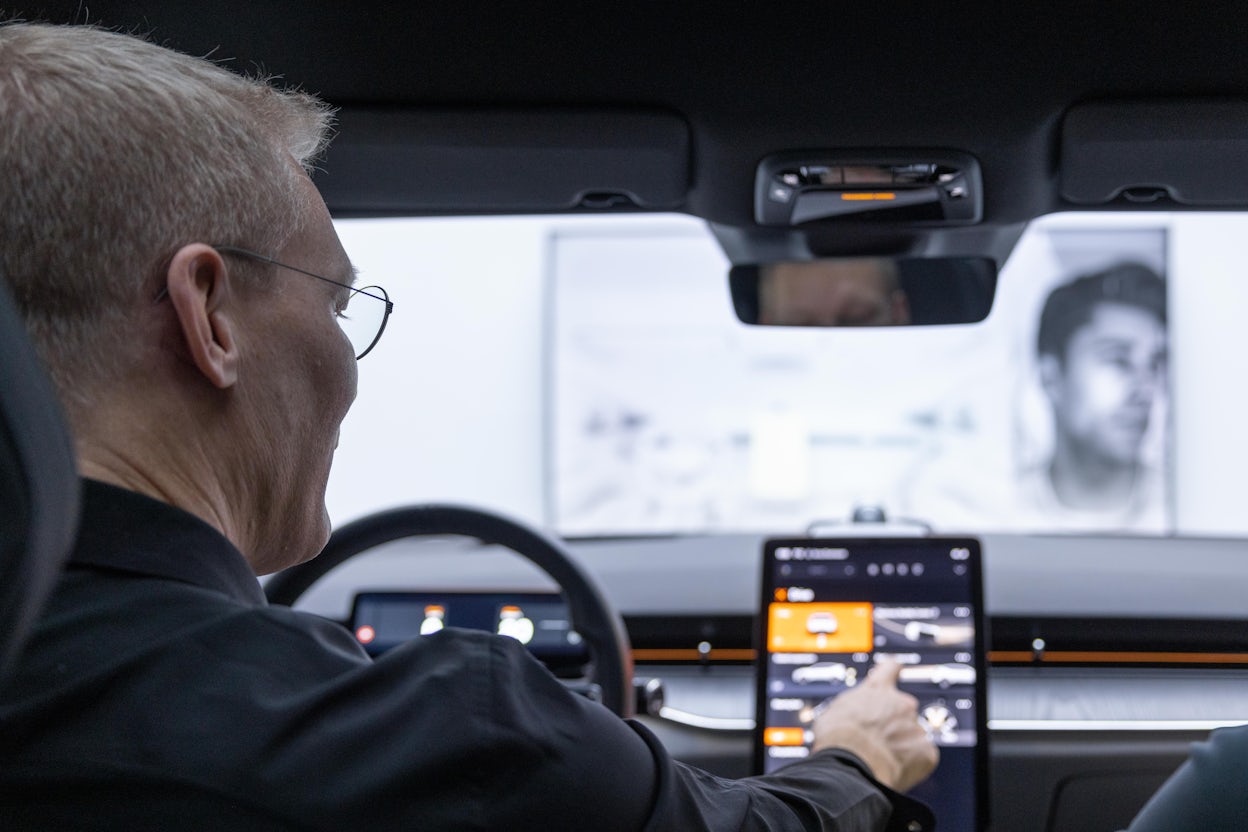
(160, 691)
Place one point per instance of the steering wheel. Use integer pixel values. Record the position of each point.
(593, 617)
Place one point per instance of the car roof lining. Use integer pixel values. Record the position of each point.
(749, 80)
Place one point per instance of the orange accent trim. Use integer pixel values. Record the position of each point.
(1116, 657)
(680, 655)
(1010, 656)
(861, 197)
(994, 657)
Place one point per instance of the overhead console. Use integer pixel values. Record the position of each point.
(920, 187)
(501, 161)
(1184, 152)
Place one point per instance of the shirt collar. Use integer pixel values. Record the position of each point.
(128, 532)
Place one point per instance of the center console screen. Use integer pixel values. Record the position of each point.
(832, 607)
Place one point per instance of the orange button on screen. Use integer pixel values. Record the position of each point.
(784, 736)
(820, 628)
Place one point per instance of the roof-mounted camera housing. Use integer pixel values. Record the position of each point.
(907, 187)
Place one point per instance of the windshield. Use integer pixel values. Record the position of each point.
(589, 374)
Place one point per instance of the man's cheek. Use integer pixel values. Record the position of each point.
(1104, 388)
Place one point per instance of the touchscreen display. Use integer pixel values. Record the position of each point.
(831, 608)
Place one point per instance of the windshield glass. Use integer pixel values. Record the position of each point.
(589, 374)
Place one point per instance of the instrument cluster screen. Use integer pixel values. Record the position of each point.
(832, 608)
(381, 620)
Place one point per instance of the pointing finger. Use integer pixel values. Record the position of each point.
(885, 672)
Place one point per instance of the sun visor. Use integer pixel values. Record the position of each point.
(446, 161)
(1192, 152)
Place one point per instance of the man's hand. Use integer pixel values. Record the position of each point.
(881, 725)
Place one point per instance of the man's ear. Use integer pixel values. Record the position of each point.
(1051, 376)
(199, 288)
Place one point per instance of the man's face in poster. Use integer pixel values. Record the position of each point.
(1102, 388)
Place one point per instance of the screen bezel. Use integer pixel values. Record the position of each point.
(857, 545)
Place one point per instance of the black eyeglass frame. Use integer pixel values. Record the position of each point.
(384, 297)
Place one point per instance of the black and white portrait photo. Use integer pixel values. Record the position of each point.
(1101, 350)
(1092, 404)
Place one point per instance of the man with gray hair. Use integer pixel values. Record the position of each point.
(182, 280)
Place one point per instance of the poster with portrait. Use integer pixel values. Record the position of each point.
(1080, 415)
(1094, 418)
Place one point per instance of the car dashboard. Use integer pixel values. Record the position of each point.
(1085, 698)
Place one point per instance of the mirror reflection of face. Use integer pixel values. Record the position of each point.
(861, 292)
(1103, 392)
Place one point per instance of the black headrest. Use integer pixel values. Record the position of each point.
(38, 484)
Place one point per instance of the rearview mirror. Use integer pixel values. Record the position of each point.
(865, 291)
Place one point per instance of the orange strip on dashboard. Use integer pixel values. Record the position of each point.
(994, 657)
(681, 655)
(1011, 656)
(1123, 657)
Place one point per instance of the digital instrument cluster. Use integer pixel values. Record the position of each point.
(540, 621)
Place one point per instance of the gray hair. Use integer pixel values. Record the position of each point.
(114, 153)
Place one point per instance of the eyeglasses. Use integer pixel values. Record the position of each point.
(363, 317)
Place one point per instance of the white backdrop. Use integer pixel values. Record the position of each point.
(457, 401)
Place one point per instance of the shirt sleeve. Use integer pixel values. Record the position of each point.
(609, 773)
(831, 791)
(1206, 792)
(466, 730)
